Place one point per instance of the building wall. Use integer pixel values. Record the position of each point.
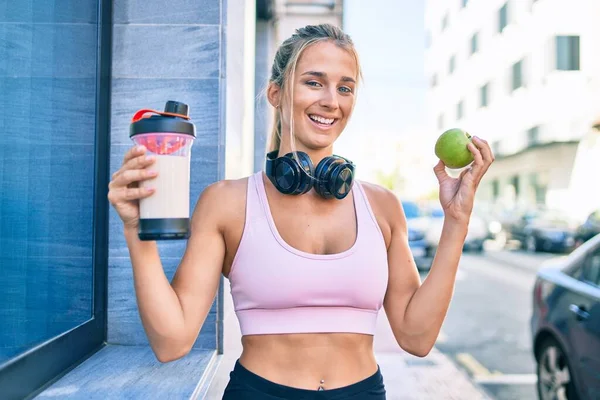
(239, 98)
(165, 51)
(263, 112)
(293, 15)
(551, 105)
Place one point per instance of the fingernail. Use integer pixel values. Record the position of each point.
(152, 173)
(141, 148)
(149, 158)
(149, 189)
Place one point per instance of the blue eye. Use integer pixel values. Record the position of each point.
(346, 89)
(313, 83)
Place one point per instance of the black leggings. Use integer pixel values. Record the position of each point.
(246, 385)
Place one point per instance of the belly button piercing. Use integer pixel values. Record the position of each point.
(321, 388)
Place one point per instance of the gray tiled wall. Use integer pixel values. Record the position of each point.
(164, 51)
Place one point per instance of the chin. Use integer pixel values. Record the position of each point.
(319, 142)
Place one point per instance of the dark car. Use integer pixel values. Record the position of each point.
(565, 325)
(544, 230)
(589, 229)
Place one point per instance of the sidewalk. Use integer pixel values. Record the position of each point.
(406, 377)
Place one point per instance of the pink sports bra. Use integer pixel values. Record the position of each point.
(278, 289)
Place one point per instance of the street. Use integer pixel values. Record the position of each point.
(486, 332)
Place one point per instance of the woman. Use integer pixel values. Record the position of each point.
(311, 254)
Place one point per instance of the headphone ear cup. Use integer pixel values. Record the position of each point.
(334, 177)
(300, 181)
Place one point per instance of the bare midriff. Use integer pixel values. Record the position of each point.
(310, 360)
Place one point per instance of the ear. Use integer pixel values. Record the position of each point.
(274, 94)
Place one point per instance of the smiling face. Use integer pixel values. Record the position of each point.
(323, 93)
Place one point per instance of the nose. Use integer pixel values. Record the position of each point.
(329, 99)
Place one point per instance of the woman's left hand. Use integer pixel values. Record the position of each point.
(457, 194)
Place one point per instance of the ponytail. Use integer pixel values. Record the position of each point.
(275, 140)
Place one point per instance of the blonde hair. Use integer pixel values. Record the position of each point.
(284, 67)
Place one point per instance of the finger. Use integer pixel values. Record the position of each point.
(138, 193)
(440, 171)
(484, 148)
(130, 176)
(487, 156)
(478, 165)
(135, 151)
(139, 162)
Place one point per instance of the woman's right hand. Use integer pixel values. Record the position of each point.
(124, 190)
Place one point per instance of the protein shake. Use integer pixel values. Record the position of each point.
(168, 136)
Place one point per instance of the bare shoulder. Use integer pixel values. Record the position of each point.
(223, 201)
(383, 201)
(387, 208)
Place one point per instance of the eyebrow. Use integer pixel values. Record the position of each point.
(324, 75)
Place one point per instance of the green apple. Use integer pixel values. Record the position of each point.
(451, 148)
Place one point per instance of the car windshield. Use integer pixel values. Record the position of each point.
(411, 210)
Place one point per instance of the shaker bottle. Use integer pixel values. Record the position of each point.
(168, 136)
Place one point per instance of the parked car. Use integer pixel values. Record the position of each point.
(478, 232)
(589, 229)
(565, 325)
(543, 230)
(417, 226)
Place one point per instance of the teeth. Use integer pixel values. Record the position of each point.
(322, 120)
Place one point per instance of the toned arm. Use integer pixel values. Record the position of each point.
(173, 313)
(415, 311)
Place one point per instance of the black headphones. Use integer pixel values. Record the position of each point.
(332, 178)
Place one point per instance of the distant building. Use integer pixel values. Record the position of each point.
(524, 75)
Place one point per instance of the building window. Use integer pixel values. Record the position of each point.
(474, 43)
(434, 81)
(567, 53)
(483, 95)
(496, 147)
(495, 189)
(440, 121)
(515, 182)
(533, 135)
(503, 17)
(459, 110)
(538, 189)
(445, 20)
(53, 207)
(464, 3)
(517, 75)
(451, 65)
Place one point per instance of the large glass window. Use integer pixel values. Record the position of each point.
(51, 222)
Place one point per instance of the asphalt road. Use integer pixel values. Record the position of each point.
(486, 331)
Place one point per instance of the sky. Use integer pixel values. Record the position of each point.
(390, 38)
(388, 130)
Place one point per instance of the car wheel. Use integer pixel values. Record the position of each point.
(531, 244)
(554, 380)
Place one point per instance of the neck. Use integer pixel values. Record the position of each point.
(316, 155)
